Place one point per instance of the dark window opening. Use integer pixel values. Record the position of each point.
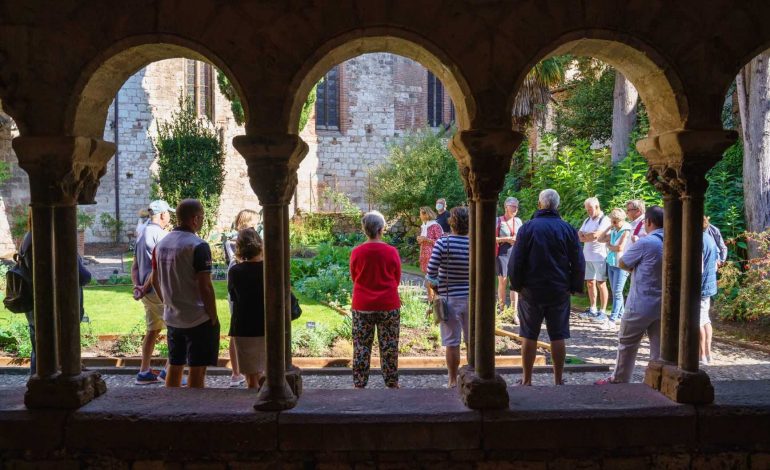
(199, 87)
(435, 101)
(327, 103)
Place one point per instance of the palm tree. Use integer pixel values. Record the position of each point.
(535, 92)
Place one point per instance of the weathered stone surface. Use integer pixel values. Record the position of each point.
(654, 374)
(686, 387)
(553, 418)
(39, 431)
(294, 379)
(139, 423)
(480, 394)
(62, 391)
(379, 420)
(740, 416)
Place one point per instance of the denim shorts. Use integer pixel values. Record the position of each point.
(556, 316)
(197, 346)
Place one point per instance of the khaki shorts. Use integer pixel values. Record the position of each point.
(153, 312)
(596, 271)
(250, 351)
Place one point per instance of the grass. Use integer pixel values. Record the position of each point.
(113, 310)
(412, 269)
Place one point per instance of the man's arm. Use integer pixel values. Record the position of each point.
(206, 290)
(135, 272)
(517, 265)
(632, 257)
(155, 283)
(577, 263)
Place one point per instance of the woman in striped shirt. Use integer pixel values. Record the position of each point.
(448, 272)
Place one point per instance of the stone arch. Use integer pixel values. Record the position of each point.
(389, 40)
(103, 77)
(659, 86)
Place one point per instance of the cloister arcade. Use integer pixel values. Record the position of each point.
(62, 62)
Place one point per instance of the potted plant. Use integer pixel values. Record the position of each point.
(85, 220)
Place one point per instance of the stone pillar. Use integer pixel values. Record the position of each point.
(272, 162)
(679, 161)
(293, 373)
(63, 171)
(464, 172)
(486, 153)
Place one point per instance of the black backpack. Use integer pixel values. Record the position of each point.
(18, 287)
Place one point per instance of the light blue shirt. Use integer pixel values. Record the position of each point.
(645, 259)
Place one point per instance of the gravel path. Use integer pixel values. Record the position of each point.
(589, 341)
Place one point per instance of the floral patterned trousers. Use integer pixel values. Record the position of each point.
(387, 324)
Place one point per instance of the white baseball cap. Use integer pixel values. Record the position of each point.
(160, 206)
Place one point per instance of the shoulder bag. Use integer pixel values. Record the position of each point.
(441, 306)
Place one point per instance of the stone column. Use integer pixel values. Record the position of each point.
(63, 171)
(272, 161)
(487, 155)
(464, 172)
(293, 373)
(679, 162)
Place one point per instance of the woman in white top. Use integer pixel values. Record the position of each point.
(507, 227)
(617, 237)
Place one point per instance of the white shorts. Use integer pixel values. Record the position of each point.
(250, 351)
(455, 329)
(596, 271)
(705, 304)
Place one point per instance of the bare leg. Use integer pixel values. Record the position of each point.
(197, 377)
(603, 295)
(148, 345)
(452, 363)
(709, 334)
(528, 352)
(501, 281)
(515, 305)
(174, 376)
(234, 360)
(252, 380)
(591, 289)
(558, 354)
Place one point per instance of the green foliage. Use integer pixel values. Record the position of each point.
(413, 307)
(88, 338)
(586, 113)
(18, 217)
(191, 162)
(417, 172)
(14, 337)
(5, 171)
(307, 108)
(629, 181)
(344, 329)
(724, 196)
(228, 90)
(85, 220)
(326, 277)
(312, 341)
(743, 294)
(129, 343)
(114, 226)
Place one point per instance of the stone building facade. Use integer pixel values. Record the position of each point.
(379, 98)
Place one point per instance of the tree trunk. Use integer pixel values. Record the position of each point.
(625, 97)
(753, 86)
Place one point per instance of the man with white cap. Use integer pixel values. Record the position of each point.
(160, 216)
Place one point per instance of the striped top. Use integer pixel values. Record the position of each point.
(449, 264)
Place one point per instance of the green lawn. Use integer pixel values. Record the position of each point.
(113, 310)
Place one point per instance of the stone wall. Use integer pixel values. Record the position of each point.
(382, 97)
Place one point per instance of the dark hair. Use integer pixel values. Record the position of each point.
(187, 210)
(655, 215)
(248, 244)
(458, 220)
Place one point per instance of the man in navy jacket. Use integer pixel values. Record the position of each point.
(546, 267)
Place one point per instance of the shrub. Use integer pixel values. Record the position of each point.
(112, 225)
(743, 294)
(724, 196)
(131, 342)
(14, 337)
(416, 173)
(312, 341)
(413, 307)
(331, 284)
(191, 162)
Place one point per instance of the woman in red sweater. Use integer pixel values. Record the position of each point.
(375, 268)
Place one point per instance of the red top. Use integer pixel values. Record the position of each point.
(376, 272)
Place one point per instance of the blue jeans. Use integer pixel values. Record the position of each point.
(618, 279)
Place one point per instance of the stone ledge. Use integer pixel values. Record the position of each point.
(740, 416)
(40, 431)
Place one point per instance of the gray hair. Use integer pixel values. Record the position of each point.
(637, 204)
(373, 223)
(511, 201)
(549, 199)
(592, 201)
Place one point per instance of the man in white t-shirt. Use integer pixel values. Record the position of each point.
(635, 209)
(595, 254)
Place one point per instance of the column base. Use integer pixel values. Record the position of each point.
(277, 399)
(654, 373)
(294, 379)
(63, 392)
(481, 394)
(686, 387)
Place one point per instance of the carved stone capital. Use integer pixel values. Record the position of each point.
(679, 160)
(272, 161)
(486, 153)
(63, 170)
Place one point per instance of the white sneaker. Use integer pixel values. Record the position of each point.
(704, 361)
(236, 382)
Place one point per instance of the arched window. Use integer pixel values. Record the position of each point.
(327, 103)
(199, 87)
(435, 101)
